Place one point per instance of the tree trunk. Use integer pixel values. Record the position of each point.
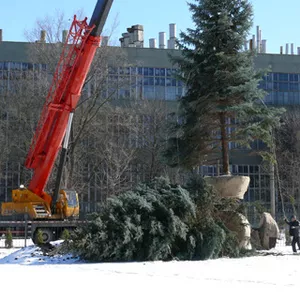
(224, 141)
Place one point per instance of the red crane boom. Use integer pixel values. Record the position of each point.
(54, 126)
(72, 69)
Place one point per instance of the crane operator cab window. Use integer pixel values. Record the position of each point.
(71, 198)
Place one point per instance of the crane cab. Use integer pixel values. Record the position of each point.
(67, 206)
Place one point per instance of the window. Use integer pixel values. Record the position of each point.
(159, 93)
(170, 93)
(148, 71)
(285, 98)
(283, 86)
(151, 71)
(269, 86)
(148, 80)
(127, 71)
(36, 67)
(179, 92)
(279, 98)
(294, 86)
(169, 72)
(268, 77)
(160, 72)
(296, 98)
(24, 66)
(293, 77)
(112, 70)
(290, 98)
(269, 98)
(262, 84)
(124, 93)
(71, 198)
(133, 70)
(112, 80)
(149, 93)
(162, 81)
(133, 81)
(140, 71)
(283, 77)
(168, 81)
(15, 66)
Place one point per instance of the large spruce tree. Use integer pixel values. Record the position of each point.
(222, 99)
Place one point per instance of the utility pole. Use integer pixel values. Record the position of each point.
(26, 225)
(272, 190)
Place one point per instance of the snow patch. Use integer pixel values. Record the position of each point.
(273, 274)
(33, 255)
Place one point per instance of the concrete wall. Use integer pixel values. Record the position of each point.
(14, 51)
(152, 58)
(278, 63)
(17, 51)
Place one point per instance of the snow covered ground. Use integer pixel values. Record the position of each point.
(17, 243)
(27, 274)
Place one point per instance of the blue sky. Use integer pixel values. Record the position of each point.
(278, 19)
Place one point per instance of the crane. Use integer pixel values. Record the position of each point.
(53, 129)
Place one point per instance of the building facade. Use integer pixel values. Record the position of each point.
(151, 77)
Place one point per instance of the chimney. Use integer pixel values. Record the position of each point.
(134, 37)
(292, 49)
(281, 49)
(251, 44)
(286, 48)
(298, 50)
(43, 36)
(162, 40)
(264, 46)
(253, 41)
(1, 37)
(126, 37)
(172, 38)
(138, 35)
(257, 39)
(122, 42)
(152, 43)
(172, 29)
(130, 36)
(64, 35)
(260, 41)
(104, 41)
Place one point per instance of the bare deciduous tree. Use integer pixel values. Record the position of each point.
(152, 119)
(288, 156)
(114, 150)
(20, 102)
(111, 148)
(27, 89)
